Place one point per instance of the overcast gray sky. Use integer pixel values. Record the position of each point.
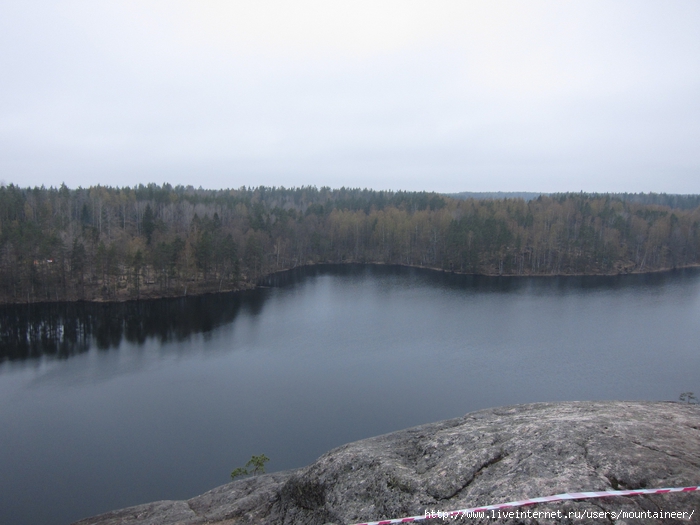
(444, 96)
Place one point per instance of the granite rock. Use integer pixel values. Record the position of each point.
(485, 457)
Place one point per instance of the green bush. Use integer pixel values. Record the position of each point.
(256, 462)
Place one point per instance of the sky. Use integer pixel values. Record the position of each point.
(445, 96)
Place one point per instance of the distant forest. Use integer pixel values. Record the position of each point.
(684, 202)
(103, 243)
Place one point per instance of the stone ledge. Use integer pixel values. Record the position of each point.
(485, 457)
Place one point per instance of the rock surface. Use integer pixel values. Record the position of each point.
(485, 457)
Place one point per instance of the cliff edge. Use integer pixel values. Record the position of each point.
(485, 457)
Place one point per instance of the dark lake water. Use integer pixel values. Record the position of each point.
(106, 406)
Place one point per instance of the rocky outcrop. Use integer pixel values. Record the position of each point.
(485, 457)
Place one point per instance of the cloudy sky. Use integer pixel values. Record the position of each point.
(443, 96)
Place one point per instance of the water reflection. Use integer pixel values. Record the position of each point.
(315, 358)
(66, 329)
(481, 283)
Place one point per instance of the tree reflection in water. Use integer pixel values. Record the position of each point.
(66, 329)
(63, 330)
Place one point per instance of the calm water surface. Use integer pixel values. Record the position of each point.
(105, 406)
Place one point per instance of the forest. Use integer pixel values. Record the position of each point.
(111, 244)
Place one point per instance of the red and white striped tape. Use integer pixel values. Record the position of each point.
(532, 501)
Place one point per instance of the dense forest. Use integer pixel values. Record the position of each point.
(103, 243)
(684, 202)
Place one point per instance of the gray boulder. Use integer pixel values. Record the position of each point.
(486, 457)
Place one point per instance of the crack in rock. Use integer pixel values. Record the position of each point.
(543, 449)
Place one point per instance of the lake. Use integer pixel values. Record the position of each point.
(104, 406)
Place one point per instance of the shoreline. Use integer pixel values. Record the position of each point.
(247, 285)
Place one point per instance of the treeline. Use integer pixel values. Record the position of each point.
(671, 200)
(104, 243)
(685, 202)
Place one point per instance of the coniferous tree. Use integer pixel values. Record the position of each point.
(118, 243)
